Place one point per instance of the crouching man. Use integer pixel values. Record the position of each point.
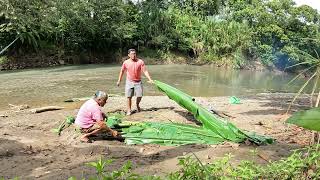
(90, 117)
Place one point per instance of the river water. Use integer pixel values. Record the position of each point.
(51, 86)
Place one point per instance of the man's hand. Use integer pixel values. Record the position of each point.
(118, 83)
(150, 81)
(102, 124)
(114, 133)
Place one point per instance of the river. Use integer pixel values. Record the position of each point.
(51, 86)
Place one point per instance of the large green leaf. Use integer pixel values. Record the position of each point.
(210, 122)
(309, 119)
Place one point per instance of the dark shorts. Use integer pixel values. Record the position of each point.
(90, 129)
(133, 88)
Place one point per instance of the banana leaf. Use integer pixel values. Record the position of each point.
(113, 121)
(309, 119)
(66, 123)
(221, 127)
(169, 134)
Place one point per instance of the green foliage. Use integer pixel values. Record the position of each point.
(275, 32)
(3, 59)
(280, 29)
(123, 173)
(301, 164)
(100, 165)
(309, 119)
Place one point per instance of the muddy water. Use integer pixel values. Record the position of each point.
(51, 86)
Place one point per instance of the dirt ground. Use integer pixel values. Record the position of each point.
(29, 149)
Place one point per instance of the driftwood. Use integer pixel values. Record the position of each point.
(47, 108)
(78, 99)
(19, 107)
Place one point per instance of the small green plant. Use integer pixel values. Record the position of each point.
(3, 60)
(100, 165)
(301, 164)
(123, 174)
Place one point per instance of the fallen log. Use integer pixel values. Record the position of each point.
(18, 107)
(47, 108)
(78, 99)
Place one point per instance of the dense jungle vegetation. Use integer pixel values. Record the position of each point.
(276, 33)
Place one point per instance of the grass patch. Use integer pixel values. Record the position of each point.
(301, 164)
(3, 60)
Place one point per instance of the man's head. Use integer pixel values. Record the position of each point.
(132, 54)
(101, 98)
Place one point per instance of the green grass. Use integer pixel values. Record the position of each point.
(3, 60)
(301, 164)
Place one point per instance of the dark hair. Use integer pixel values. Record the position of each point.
(131, 50)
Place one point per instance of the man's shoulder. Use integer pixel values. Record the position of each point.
(126, 61)
(141, 61)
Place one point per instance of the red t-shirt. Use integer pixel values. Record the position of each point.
(133, 69)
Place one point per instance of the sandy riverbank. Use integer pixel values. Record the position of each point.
(29, 148)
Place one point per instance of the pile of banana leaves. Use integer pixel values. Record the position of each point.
(214, 130)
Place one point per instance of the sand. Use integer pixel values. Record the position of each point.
(29, 149)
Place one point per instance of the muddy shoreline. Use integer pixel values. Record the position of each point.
(29, 149)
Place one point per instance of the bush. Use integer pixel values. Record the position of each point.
(301, 164)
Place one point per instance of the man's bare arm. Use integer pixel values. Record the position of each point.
(120, 77)
(103, 125)
(146, 73)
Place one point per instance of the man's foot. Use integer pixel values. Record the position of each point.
(129, 113)
(85, 140)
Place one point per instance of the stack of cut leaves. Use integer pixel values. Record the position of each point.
(215, 130)
(169, 134)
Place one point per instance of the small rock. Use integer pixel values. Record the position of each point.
(208, 157)
(247, 142)
(184, 153)
(259, 123)
(141, 150)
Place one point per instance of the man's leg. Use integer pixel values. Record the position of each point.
(90, 131)
(139, 93)
(129, 102)
(137, 103)
(129, 91)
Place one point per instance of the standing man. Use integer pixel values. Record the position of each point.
(133, 67)
(90, 117)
